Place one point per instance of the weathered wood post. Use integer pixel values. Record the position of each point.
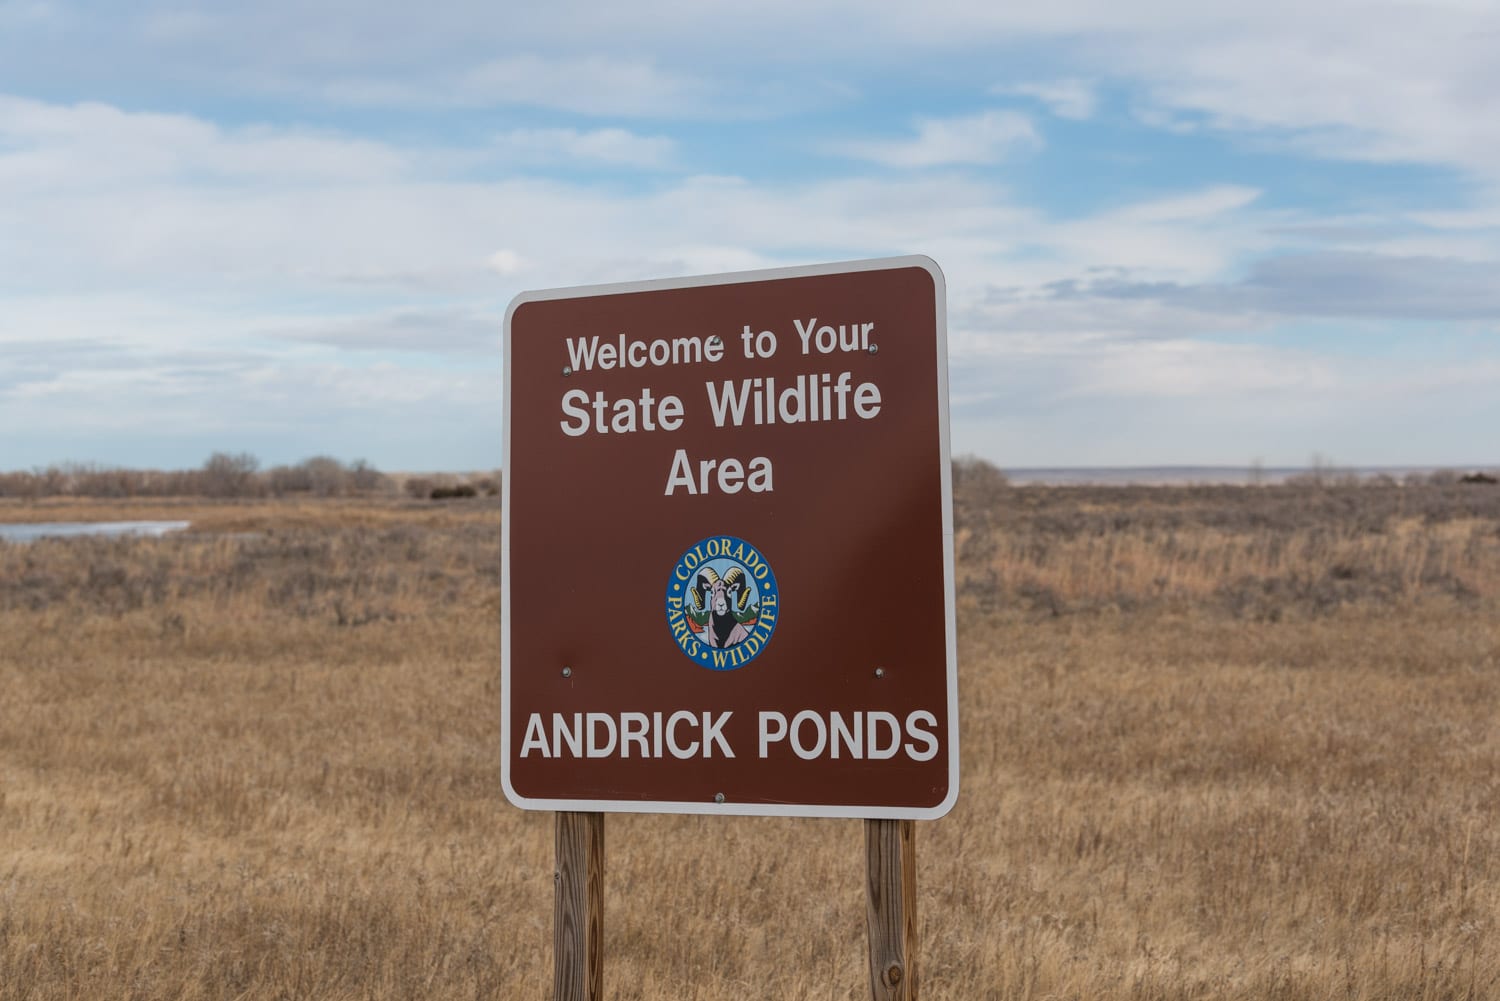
(578, 908)
(891, 908)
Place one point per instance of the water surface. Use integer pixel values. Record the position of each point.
(17, 532)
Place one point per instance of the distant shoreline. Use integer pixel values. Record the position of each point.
(1210, 475)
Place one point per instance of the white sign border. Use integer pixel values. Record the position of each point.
(710, 807)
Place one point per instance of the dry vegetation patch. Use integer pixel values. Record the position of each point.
(1259, 553)
(1217, 743)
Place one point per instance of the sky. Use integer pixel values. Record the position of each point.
(1173, 232)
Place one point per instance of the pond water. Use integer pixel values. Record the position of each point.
(16, 532)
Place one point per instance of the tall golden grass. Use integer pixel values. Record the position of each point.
(1216, 744)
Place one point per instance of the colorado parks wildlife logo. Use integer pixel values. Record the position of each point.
(722, 603)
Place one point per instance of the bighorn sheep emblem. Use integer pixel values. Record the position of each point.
(722, 602)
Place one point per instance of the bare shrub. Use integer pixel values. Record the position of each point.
(974, 476)
(366, 479)
(325, 476)
(223, 475)
(230, 475)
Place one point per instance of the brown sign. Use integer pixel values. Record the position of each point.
(728, 571)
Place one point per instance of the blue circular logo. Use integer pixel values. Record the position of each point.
(722, 603)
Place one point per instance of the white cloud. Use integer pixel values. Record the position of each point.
(52, 146)
(984, 138)
(166, 251)
(593, 85)
(1378, 82)
(1331, 284)
(1072, 98)
(1191, 207)
(389, 221)
(505, 262)
(162, 381)
(605, 146)
(1485, 216)
(1351, 79)
(340, 217)
(433, 330)
(253, 394)
(24, 12)
(1193, 368)
(1194, 236)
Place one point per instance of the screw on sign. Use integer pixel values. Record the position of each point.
(728, 572)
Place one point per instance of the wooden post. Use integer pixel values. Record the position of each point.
(578, 908)
(891, 908)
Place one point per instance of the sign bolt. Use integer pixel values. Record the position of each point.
(567, 370)
(880, 672)
(874, 349)
(718, 797)
(567, 672)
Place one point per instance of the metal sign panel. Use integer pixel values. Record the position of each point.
(728, 555)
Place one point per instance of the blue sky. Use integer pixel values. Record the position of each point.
(1173, 232)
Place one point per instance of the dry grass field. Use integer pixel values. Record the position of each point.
(1237, 743)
